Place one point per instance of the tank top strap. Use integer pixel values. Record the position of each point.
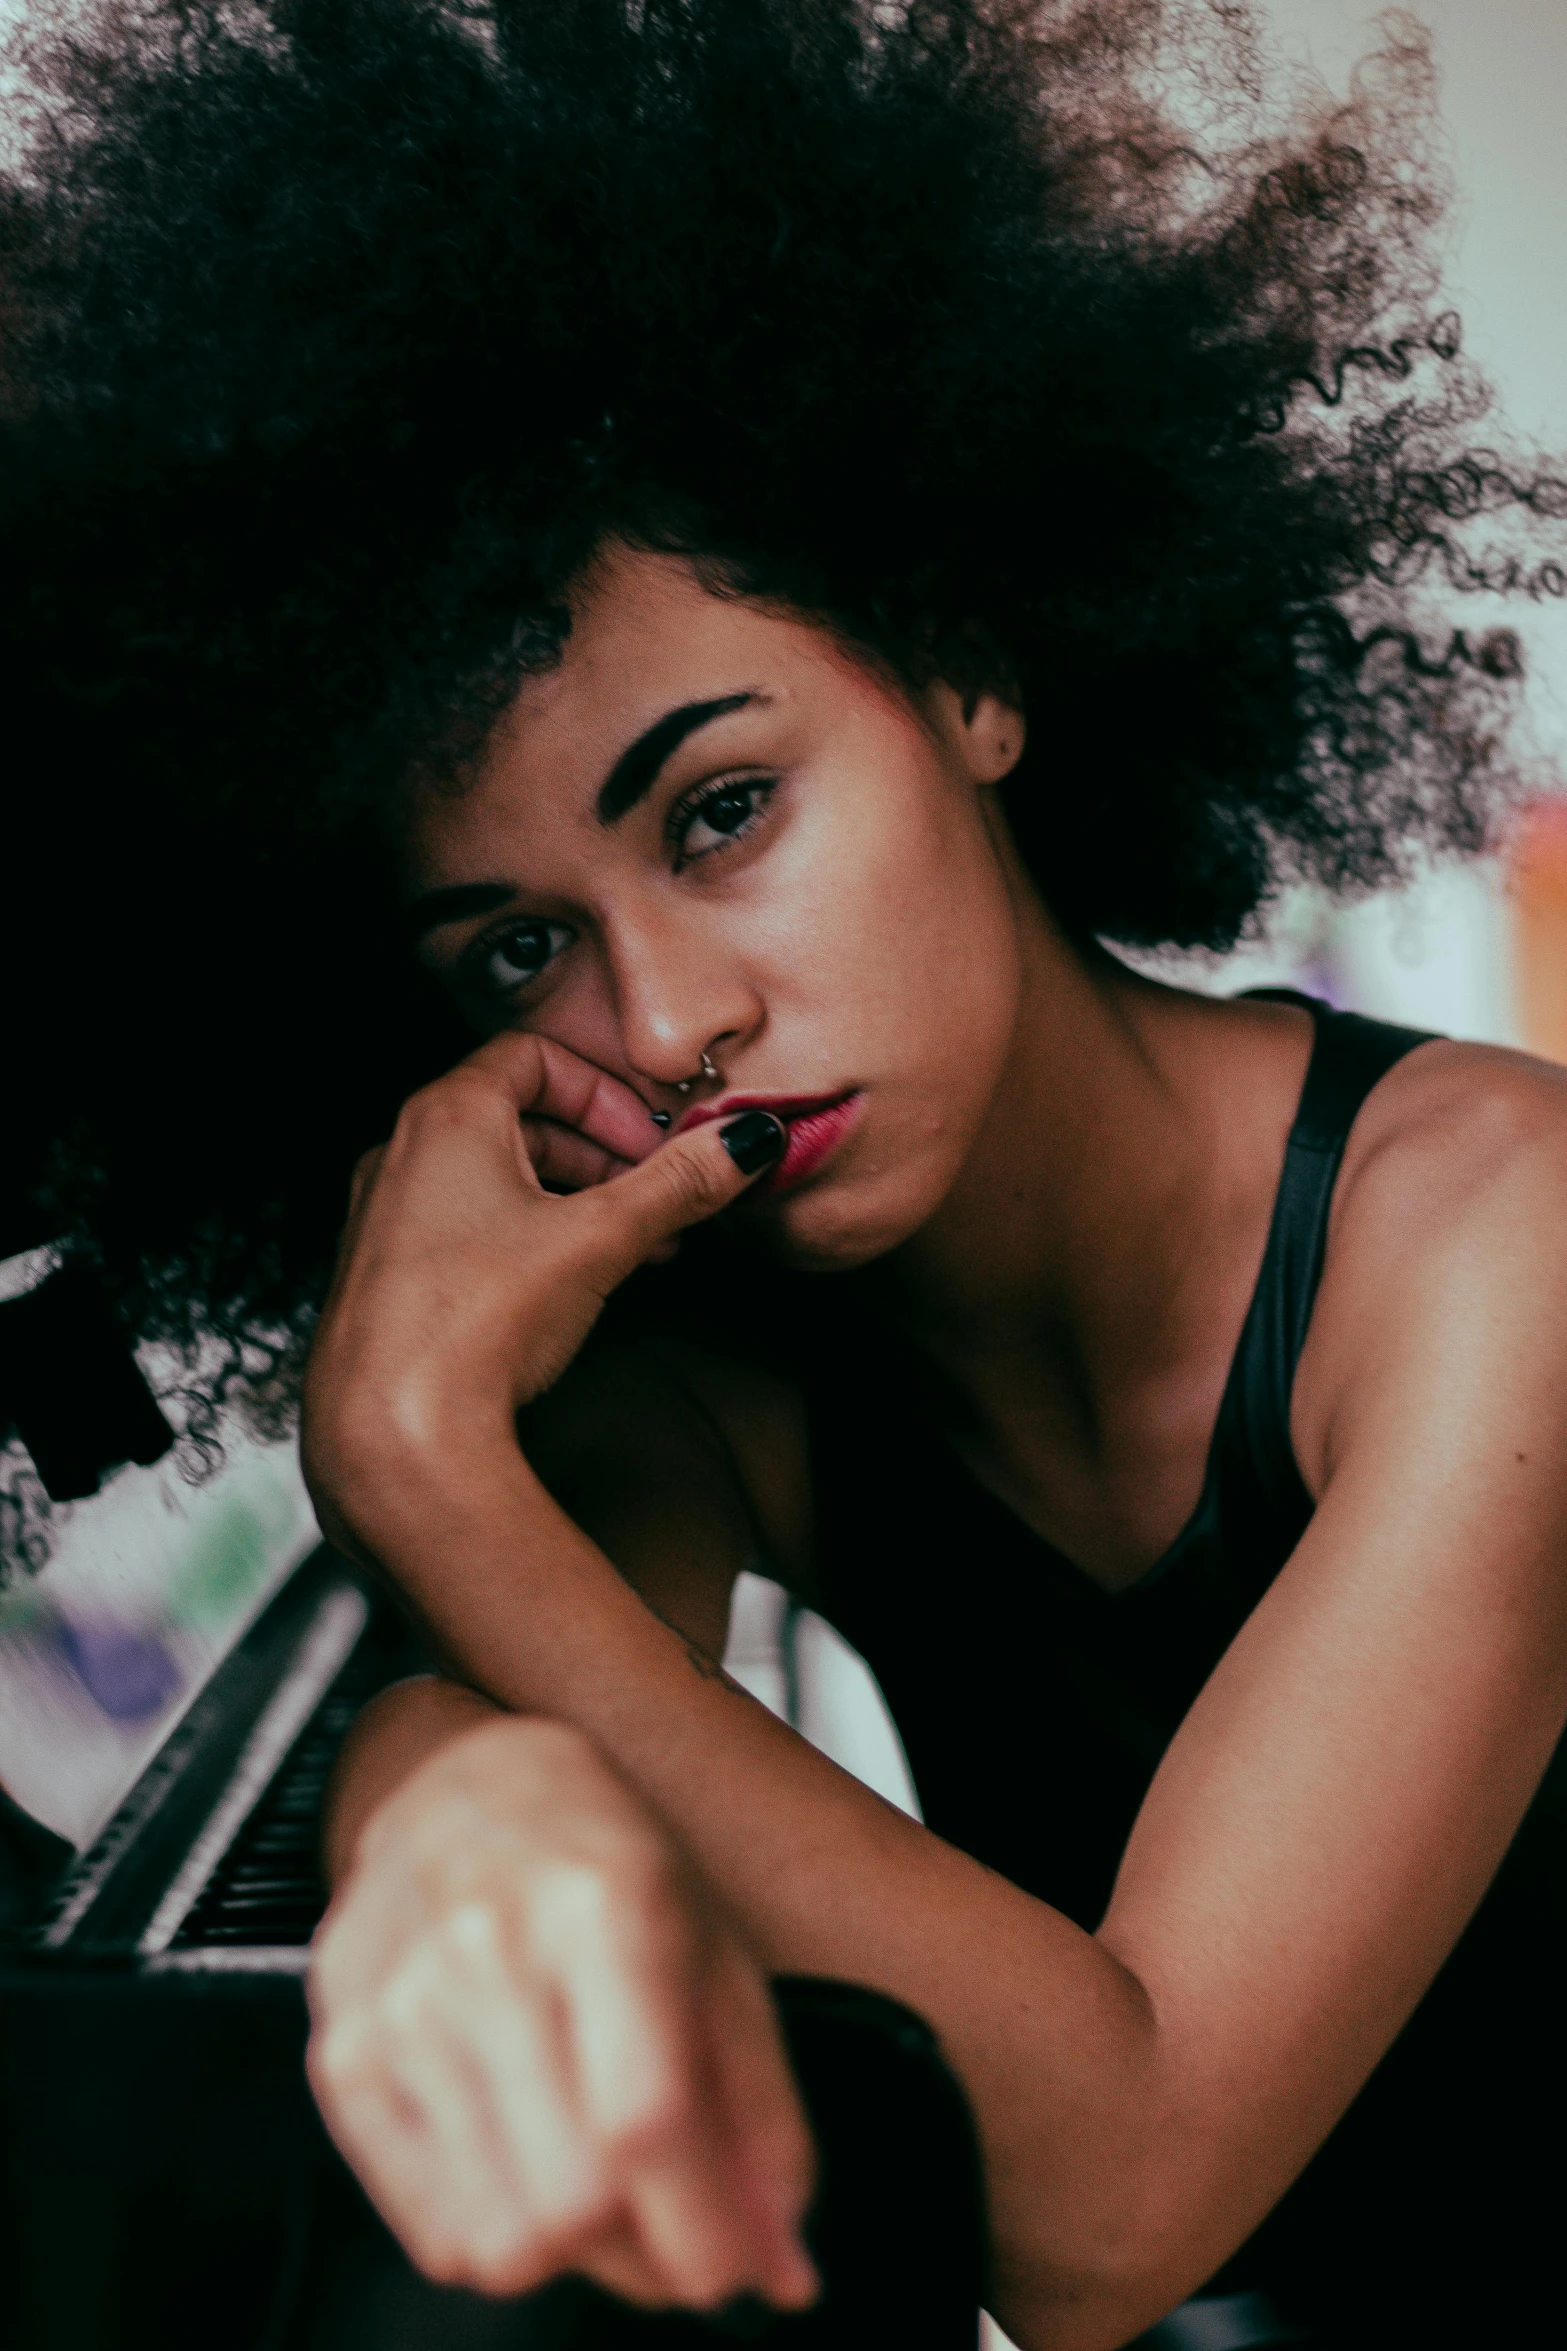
(1253, 1451)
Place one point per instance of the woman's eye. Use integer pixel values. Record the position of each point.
(719, 817)
(513, 957)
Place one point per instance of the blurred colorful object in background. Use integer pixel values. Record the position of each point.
(149, 1586)
(1539, 929)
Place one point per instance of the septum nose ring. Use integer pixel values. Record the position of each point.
(684, 1085)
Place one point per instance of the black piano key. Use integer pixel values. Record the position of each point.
(267, 1891)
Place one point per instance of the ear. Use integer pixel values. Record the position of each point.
(984, 730)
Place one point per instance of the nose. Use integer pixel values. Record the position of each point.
(679, 996)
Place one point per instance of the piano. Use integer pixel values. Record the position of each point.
(164, 2178)
(165, 2181)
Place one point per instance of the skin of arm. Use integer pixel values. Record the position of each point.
(1318, 1832)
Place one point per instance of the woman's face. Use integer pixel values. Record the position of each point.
(710, 830)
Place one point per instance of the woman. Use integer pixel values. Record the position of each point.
(756, 536)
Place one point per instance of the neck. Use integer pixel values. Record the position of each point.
(1130, 1149)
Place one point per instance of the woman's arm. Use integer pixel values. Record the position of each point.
(1314, 1841)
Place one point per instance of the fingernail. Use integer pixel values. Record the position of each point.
(660, 1118)
(754, 1140)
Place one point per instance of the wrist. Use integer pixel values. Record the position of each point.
(389, 1481)
(394, 1739)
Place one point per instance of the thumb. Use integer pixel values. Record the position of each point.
(694, 1175)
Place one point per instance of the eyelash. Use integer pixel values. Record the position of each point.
(482, 953)
(684, 814)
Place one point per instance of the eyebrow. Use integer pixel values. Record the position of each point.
(632, 776)
(636, 770)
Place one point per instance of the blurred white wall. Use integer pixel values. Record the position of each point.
(1442, 954)
(1504, 78)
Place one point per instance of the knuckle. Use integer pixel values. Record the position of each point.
(578, 1898)
(330, 1960)
(585, 2213)
(527, 2256)
(423, 1104)
(446, 1102)
(439, 2256)
(508, 2262)
(403, 2005)
(656, 2121)
(643, 2291)
(625, 1898)
(524, 2249)
(337, 2058)
(470, 1934)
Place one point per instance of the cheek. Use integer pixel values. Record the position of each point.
(891, 946)
(888, 899)
(934, 939)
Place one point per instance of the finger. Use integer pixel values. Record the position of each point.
(775, 2156)
(569, 2211)
(456, 2113)
(383, 2139)
(618, 2260)
(513, 2032)
(693, 1176)
(542, 1079)
(697, 2227)
(568, 1161)
(650, 2098)
(402, 2115)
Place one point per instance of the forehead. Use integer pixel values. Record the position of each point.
(643, 629)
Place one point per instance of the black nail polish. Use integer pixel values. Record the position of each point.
(754, 1140)
(660, 1118)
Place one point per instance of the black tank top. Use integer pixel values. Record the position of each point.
(1034, 1707)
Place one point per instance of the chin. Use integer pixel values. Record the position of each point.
(835, 1227)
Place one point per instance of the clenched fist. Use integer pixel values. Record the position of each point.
(543, 2047)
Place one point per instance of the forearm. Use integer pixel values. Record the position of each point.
(1052, 2036)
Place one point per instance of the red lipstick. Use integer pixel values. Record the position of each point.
(816, 1124)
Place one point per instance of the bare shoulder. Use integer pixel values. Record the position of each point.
(1449, 1127)
(1448, 1237)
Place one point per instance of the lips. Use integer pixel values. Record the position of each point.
(816, 1124)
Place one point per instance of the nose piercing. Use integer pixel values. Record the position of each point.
(684, 1085)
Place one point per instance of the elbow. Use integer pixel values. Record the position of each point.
(1140, 2239)
(1101, 2306)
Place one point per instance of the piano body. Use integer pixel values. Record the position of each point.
(165, 2181)
(164, 2178)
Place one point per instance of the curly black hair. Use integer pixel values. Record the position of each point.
(336, 335)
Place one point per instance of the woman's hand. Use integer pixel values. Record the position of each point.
(543, 2047)
(463, 1287)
